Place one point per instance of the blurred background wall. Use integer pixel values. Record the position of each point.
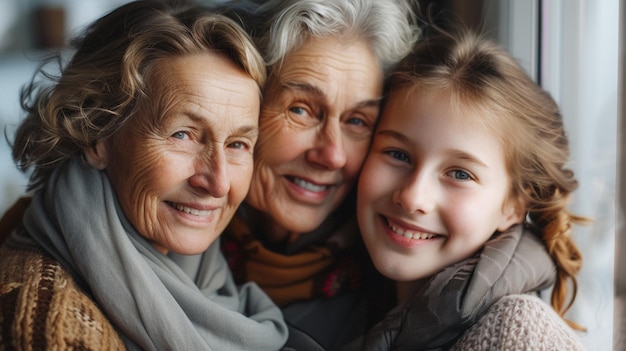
(619, 333)
(570, 47)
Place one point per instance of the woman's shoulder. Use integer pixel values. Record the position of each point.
(42, 308)
(519, 322)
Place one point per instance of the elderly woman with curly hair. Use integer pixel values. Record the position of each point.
(141, 147)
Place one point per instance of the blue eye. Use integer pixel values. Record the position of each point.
(179, 135)
(460, 175)
(356, 121)
(297, 110)
(237, 145)
(399, 155)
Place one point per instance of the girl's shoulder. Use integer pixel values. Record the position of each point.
(42, 307)
(519, 322)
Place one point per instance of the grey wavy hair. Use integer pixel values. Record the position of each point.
(282, 26)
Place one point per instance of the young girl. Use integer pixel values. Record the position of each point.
(462, 194)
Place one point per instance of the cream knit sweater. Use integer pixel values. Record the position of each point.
(519, 322)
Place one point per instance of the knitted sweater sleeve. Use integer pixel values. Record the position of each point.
(41, 308)
(519, 322)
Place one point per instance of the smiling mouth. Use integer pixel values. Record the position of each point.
(410, 234)
(306, 185)
(189, 210)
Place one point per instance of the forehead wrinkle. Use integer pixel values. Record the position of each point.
(326, 59)
(319, 93)
(304, 87)
(184, 90)
(231, 100)
(331, 71)
(323, 72)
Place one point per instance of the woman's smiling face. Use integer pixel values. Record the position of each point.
(434, 187)
(183, 163)
(318, 114)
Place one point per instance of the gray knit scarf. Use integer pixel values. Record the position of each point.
(436, 315)
(154, 303)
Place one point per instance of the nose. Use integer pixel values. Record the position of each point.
(211, 174)
(415, 194)
(328, 151)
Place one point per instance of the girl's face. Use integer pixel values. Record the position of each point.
(434, 187)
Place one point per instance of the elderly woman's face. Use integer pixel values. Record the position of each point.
(182, 165)
(316, 122)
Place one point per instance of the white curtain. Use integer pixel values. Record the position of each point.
(571, 47)
(579, 65)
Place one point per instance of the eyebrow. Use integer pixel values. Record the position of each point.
(394, 135)
(318, 93)
(299, 86)
(468, 157)
(460, 154)
(245, 129)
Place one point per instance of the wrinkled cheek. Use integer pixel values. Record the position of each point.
(261, 187)
(270, 152)
(270, 131)
(145, 210)
(140, 188)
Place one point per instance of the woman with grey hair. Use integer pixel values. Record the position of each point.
(295, 234)
(388, 27)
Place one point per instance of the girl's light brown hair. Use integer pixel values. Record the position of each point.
(479, 75)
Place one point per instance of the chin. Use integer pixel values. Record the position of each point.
(392, 269)
(296, 222)
(301, 227)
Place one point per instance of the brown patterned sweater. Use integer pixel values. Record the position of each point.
(41, 307)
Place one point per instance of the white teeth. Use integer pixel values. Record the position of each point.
(409, 234)
(309, 186)
(192, 211)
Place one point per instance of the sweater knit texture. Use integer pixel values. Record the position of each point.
(516, 323)
(41, 308)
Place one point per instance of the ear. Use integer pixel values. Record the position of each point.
(512, 213)
(98, 155)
